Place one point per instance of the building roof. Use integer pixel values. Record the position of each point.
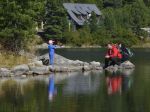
(81, 10)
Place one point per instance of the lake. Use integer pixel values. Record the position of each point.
(125, 91)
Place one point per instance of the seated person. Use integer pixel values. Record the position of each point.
(125, 53)
(113, 56)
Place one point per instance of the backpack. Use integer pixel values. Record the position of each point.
(130, 53)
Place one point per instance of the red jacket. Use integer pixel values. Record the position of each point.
(114, 52)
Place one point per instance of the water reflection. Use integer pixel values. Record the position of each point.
(127, 79)
(118, 81)
(84, 83)
(51, 88)
(113, 81)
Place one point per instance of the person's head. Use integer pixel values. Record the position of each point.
(109, 46)
(50, 41)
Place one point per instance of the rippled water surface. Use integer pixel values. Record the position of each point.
(124, 91)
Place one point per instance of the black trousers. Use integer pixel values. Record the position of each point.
(112, 61)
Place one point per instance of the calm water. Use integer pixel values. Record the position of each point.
(125, 91)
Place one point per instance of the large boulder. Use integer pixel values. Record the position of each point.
(127, 65)
(4, 72)
(36, 63)
(20, 69)
(112, 68)
(40, 70)
(95, 65)
(76, 63)
(124, 66)
(62, 64)
(57, 68)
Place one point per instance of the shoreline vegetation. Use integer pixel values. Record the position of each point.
(10, 60)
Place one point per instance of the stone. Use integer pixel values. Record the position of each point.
(75, 68)
(20, 69)
(77, 63)
(4, 72)
(94, 63)
(112, 68)
(40, 70)
(57, 68)
(124, 66)
(127, 65)
(62, 64)
(86, 68)
(86, 64)
(38, 63)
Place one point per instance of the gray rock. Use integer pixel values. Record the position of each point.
(60, 60)
(38, 63)
(112, 68)
(4, 72)
(123, 67)
(86, 68)
(77, 63)
(93, 63)
(58, 68)
(20, 69)
(75, 68)
(40, 70)
(86, 64)
(62, 64)
(97, 68)
(127, 65)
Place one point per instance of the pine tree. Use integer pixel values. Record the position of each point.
(93, 22)
(54, 20)
(16, 25)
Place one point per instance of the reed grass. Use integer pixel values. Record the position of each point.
(10, 60)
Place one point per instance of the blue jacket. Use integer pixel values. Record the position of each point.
(51, 49)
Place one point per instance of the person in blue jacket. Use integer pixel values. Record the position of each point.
(51, 48)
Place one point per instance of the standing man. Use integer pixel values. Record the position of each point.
(51, 48)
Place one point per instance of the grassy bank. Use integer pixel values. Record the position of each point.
(145, 44)
(10, 60)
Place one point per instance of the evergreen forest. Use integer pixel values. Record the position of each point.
(121, 21)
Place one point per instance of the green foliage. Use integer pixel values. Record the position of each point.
(121, 22)
(54, 20)
(16, 25)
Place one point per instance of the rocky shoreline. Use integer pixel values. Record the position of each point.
(40, 66)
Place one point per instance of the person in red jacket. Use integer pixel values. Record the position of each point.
(113, 55)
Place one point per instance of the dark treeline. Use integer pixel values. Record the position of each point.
(121, 22)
